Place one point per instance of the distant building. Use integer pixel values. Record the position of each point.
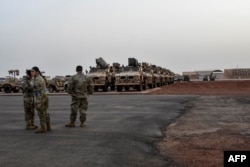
(237, 73)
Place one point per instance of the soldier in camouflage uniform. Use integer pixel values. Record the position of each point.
(41, 100)
(28, 101)
(79, 87)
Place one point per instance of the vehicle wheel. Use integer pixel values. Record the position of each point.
(7, 88)
(118, 88)
(145, 86)
(150, 86)
(106, 86)
(65, 88)
(51, 89)
(139, 87)
(96, 88)
(112, 87)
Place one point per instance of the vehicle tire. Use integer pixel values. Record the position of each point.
(96, 88)
(145, 85)
(105, 87)
(51, 89)
(66, 88)
(7, 88)
(118, 88)
(139, 87)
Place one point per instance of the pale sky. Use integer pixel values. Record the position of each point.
(181, 35)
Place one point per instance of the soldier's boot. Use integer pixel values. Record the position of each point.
(29, 126)
(33, 125)
(41, 130)
(48, 123)
(83, 124)
(70, 125)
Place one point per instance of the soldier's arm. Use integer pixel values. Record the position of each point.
(90, 86)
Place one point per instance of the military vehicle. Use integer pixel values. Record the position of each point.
(159, 71)
(11, 83)
(101, 75)
(56, 84)
(131, 76)
(156, 76)
(65, 85)
(149, 75)
(115, 69)
(170, 77)
(2, 80)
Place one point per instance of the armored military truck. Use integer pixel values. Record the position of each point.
(2, 80)
(149, 75)
(12, 83)
(101, 75)
(156, 76)
(56, 84)
(114, 69)
(131, 76)
(170, 77)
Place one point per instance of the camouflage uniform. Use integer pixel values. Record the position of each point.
(41, 101)
(79, 87)
(28, 102)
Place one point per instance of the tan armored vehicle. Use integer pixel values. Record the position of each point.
(56, 84)
(149, 75)
(11, 83)
(2, 81)
(101, 75)
(169, 77)
(131, 76)
(115, 69)
(156, 76)
(161, 75)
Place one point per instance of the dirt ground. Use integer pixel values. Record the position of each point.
(215, 121)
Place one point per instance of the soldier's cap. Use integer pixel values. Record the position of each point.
(79, 68)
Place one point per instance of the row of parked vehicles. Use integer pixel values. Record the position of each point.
(134, 76)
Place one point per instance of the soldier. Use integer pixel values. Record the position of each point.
(41, 100)
(80, 86)
(28, 101)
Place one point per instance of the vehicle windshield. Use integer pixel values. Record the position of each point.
(93, 69)
(148, 70)
(131, 68)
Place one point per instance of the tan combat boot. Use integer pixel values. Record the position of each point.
(70, 125)
(83, 124)
(41, 130)
(31, 127)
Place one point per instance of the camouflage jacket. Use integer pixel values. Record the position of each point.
(39, 86)
(80, 86)
(27, 88)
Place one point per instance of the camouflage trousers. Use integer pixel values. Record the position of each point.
(42, 105)
(81, 105)
(29, 110)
